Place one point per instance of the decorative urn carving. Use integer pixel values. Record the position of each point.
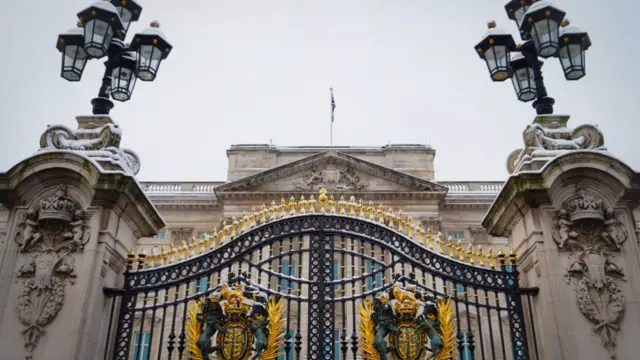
(53, 229)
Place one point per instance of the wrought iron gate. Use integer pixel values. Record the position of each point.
(325, 264)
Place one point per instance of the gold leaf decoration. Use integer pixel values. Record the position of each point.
(367, 332)
(193, 331)
(448, 326)
(276, 313)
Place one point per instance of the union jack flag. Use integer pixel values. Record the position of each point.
(333, 104)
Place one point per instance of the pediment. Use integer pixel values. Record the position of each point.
(335, 171)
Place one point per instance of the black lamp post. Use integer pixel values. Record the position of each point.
(546, 34)
(101, 32)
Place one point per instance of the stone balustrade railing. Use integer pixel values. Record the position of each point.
(455, 187)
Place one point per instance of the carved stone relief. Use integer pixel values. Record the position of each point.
(52, 230)
(479, 235)
(331, 178)
(592, 234)
(179, 234)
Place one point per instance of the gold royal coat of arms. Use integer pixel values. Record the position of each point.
(242, 321)
(414, 329)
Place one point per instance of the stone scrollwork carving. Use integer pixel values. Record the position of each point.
(179, 234)
(331, 178)
(548, 139)
(54, 228)
(592, 234)
(101, 143)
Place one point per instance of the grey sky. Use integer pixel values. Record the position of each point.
(251, 71)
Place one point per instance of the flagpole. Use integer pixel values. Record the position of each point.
(332, 112)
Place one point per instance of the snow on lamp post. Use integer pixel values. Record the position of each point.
(101, 32)
(545, 34)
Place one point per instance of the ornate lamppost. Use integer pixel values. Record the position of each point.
(102, 28)
(546, 33)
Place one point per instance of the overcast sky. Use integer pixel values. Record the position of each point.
(254, 71)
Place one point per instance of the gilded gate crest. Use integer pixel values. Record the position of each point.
(244, 321)
(393, 316)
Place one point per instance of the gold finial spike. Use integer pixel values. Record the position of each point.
(263, 214)
(253, 218)
(459, 250)
(480, 256)
(372, 211)
(283, 208)
(292, 206)
(353, 205)
(322, 199)
(212, 243)
(409, 226)
(501, 257)
(332, 204)
(390, 217)
(471, 254)
(450, 246)
(400, 221)
(491, 259)
(380, 213)
(272, 210)
(565, 23)
(361, 209)
(491, 24)
(342, 204)
(155, 24)
(142, 258)
(513, 258)
(312, 204)
(302, 205)
(440, 242)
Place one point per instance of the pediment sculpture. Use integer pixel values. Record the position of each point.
(592, 234)
(331, 178)
(53, 229)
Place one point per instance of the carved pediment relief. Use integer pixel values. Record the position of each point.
(331, 170)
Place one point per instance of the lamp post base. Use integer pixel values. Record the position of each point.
(544, 105)
(101, 106)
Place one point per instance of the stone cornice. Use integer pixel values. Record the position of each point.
(529, 189)
(410, 182)
(110, 189)
(268, 196)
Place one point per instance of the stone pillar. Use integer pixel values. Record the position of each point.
(74, 209)
(568, 211)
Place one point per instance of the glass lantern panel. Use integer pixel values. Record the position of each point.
(74, 59)
(524, 85)
(124, 80)
(519, 14)
(545, 37)
(572, 60)
(149, 62)
(497, 58)
(125, 16)
(97, 37)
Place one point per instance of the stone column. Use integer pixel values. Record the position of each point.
(74, 209)
(568, 210)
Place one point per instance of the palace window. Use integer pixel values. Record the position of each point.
(287, 268)
(289, 335)
(201, 235)
(159, 236)
(466, 353)
(456, 235)
(373, 281)
(202, 285)
(336, 273)
(141, 346)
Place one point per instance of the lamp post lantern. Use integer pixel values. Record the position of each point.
(101, 32)
(546, 33)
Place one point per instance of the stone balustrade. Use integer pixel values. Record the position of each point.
(455, 187)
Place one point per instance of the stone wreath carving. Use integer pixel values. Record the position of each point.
(553, 139)
(331, 178)
(592, 234)
(101, 143)
(53, 229)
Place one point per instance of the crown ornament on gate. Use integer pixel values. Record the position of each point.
(326, 204)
